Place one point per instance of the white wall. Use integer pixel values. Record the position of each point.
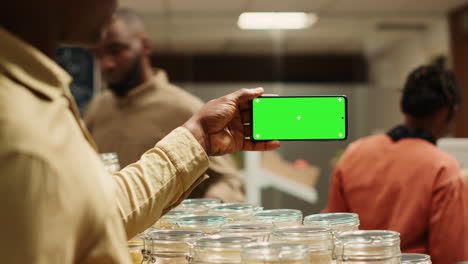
(390, 66)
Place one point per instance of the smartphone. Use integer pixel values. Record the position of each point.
(299, 118)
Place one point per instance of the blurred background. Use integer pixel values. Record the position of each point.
(360, 48)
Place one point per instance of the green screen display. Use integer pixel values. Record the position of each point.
(299, 118)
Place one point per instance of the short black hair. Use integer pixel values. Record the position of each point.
(429, 89)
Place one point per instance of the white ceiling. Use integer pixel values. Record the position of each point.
(423, 7)
(343, 26)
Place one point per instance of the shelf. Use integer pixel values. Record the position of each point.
(256, 179)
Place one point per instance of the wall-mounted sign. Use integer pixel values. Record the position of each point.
(80, 64)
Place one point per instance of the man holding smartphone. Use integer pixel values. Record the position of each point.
(59, 204)
(141, 106)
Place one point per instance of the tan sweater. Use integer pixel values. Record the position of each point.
(59, 204)
(132, 124)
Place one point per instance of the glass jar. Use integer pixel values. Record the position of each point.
(275, 253)
(208, 224)
(198, 206)
(215, 250)
(337, 222)
(260, 232)
(318, 239)
(169, 246)
(415, 259)
(279, 217)
(111, 161)
(377, 247)
(236, 212)
(136, 251)
(167, 221)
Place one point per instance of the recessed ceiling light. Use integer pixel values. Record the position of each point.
(276, 20)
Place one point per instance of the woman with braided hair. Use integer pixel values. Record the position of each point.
(402, 181)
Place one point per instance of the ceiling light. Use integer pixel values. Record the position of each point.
(276, 20)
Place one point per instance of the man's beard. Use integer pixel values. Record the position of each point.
(131, 79)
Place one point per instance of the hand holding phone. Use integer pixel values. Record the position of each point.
(299, 118)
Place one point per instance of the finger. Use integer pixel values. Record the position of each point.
(267, 146)
(246, 117)
(248, 145)
(272, 145)
(261, 146)
(243, 96)
(247, 131)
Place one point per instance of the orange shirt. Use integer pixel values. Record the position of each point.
(409, 186)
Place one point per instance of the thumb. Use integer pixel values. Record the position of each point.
(245, 95)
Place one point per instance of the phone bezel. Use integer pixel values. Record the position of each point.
(300, 96)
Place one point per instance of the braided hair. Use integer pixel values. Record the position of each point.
(429, 89)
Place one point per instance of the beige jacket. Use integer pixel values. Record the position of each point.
(59, 205)
(132, 124)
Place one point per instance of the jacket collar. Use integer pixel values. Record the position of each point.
(27, 65)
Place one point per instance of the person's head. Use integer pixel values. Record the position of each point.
(47, 23)
(84, 21)
(430, 101)
(124, 53)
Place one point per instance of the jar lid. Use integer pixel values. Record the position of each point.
(151, 229)
(332, 219)
(201, 219)
(223, 242)
(375, 243)
(201, 201)
(372, 244)
(271, 251)
(278, 214)
(167, 234)
(415, 259)
(176, 214)
(304, 231)
(368, 238)
(271, 246)
(233, 207)
(248, 227)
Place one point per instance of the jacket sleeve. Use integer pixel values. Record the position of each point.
(160, 180)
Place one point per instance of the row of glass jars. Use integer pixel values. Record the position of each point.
(193, 212)
(183, 247)
(237, 226)
(288, 245)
